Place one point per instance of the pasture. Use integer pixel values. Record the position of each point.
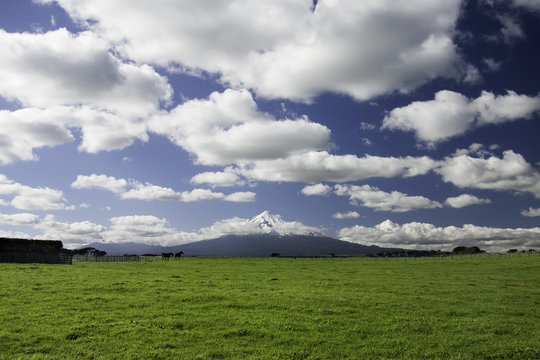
(480, 307)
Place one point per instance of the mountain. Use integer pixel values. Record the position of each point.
(267, 244)
(249, 245)
(267, 223)
(269, 234)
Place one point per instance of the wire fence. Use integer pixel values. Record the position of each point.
(106, 258)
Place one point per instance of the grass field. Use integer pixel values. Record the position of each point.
(483, 307)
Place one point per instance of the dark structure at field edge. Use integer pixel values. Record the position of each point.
(33, 251)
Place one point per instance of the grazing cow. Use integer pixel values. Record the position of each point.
(166, 256)
(178, 255)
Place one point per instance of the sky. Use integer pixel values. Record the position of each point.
(397, 123)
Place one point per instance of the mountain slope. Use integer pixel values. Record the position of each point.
(266, 244)
(249, 245)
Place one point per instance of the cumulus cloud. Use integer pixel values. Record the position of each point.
(60, 68)
(284, 49)
(29, 198)
(531, 212)
(150, 229)
(71, 234)
(319, 166)
(69, 81)
(227, 128)
(145, 229)
(148, 191)
(200, 194)
(226, 178)
(241, 226)
(510, 173)
(418, 235)
(241, 196)
(465, 200)
(20, 219)
(24, 130)
(451, 114)
(103, 182)
(316, 190)
(372, 197)
(347, 215)
(135, 190)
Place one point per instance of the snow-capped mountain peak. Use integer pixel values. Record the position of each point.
(267, 222)
(274, 224)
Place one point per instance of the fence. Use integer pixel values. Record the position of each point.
(28, 257)
(107, 258)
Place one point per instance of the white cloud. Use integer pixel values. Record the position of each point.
(14, 234)
(200, 194)
(372, 197)
(451, 113)
(106, 131)
(135, 190)
(242, 196)
(283, 49)
(60, 68)
(40, 199)
(226, 178)
(418, 235)
(531, 212)
(316, 190)
(72, 81)
(227, 128)
(24, 130)
(493, 109)
(145, 229)
(103, 182)
(29, 198)
(71, 234)
(347, 215)
(20, 219)
(319, 166)
(465, 200)
(241, 226)
(150, 192)
(509, 173)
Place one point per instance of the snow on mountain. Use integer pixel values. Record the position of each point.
(268, 223)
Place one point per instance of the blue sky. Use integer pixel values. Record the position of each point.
(394, 123)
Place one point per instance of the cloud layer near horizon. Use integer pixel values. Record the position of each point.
(157, 231)
(417, 235)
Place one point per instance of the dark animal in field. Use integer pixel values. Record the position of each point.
(178, 255)
(166, 256)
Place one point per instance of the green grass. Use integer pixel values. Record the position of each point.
(482, 307)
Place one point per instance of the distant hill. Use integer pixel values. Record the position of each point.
(249, 245)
